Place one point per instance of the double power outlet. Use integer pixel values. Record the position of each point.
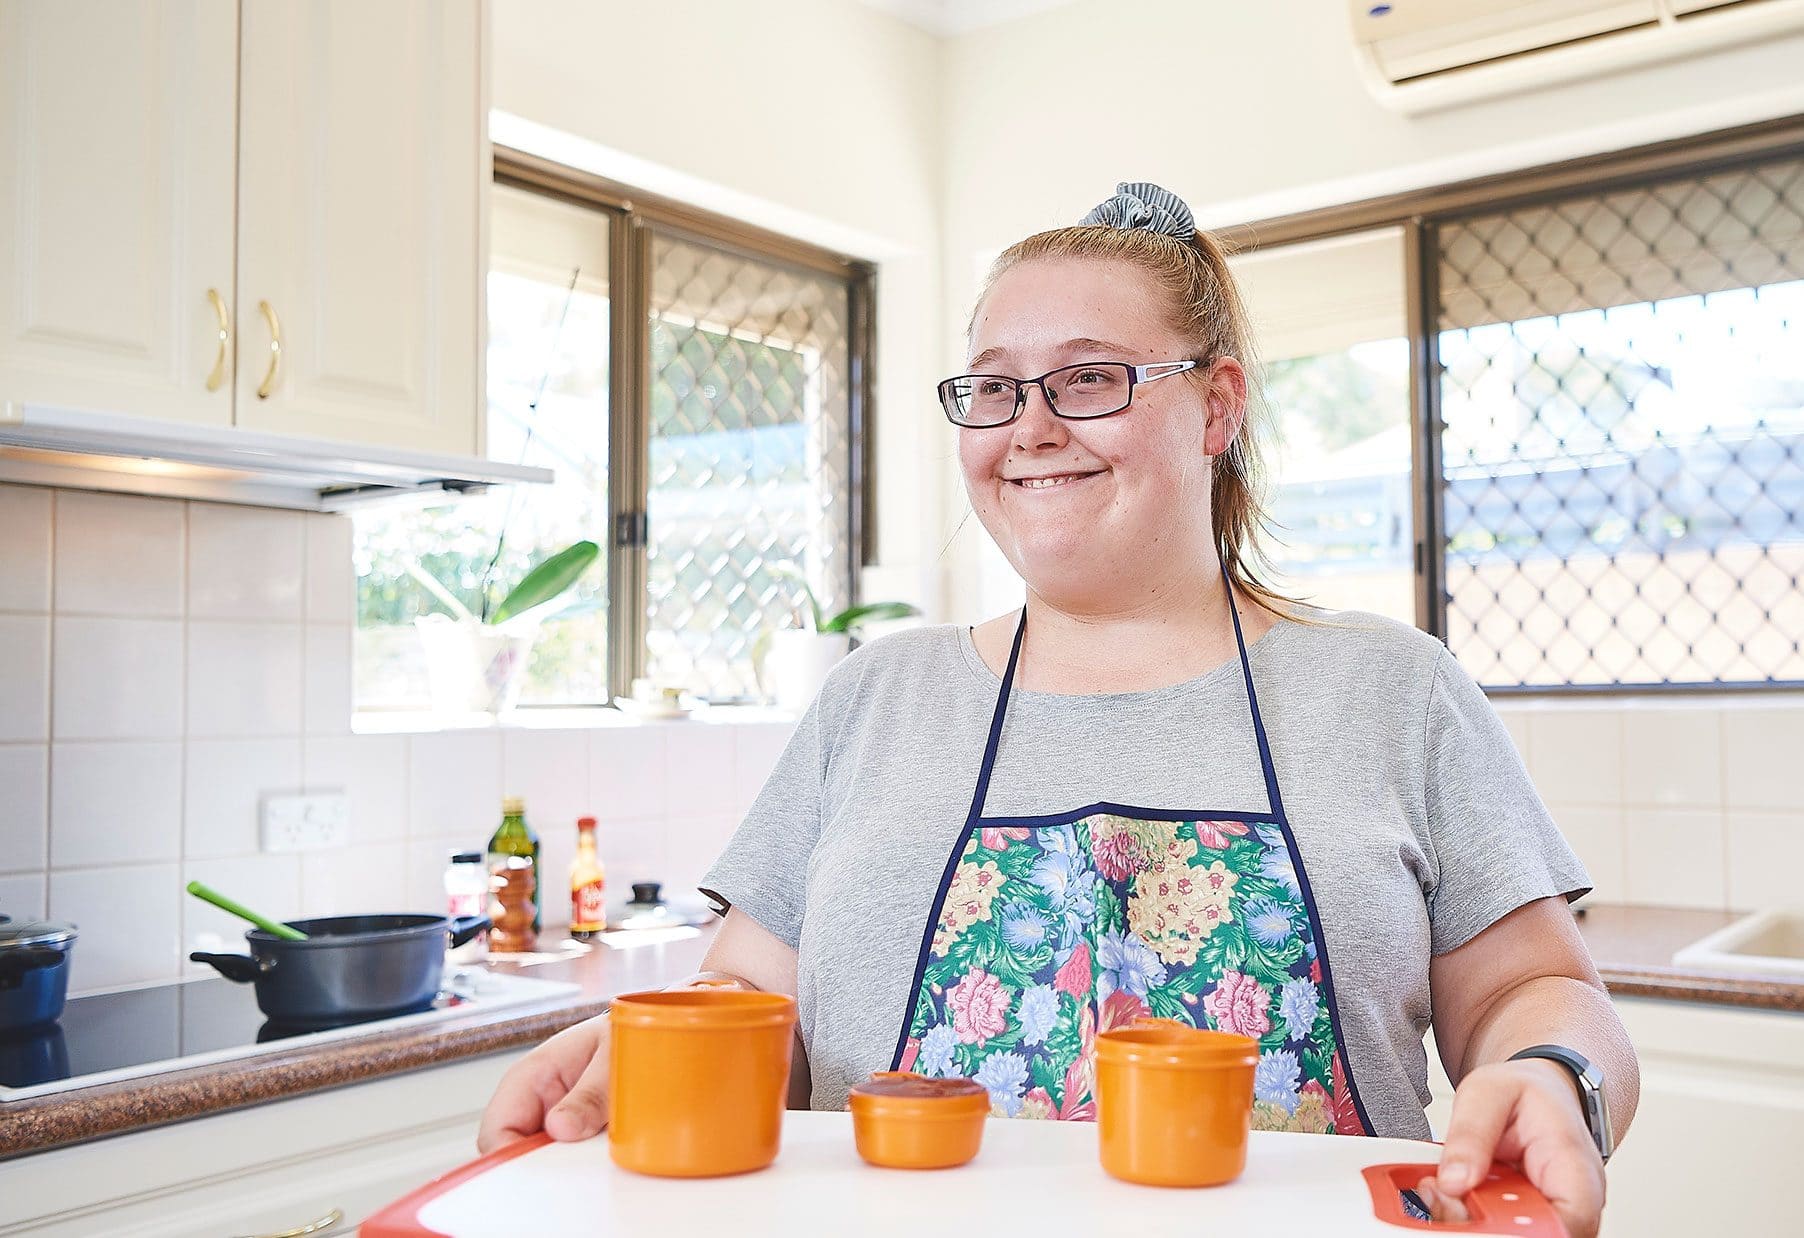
(312, 822)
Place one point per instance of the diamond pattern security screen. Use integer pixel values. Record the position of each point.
(1621, 425)
(750, 459)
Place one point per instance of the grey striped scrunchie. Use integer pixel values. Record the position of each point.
(1142, 204)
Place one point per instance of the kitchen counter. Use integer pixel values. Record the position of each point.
(1633, 947)
(43, 1122)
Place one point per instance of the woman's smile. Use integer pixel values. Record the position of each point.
(1052, 481)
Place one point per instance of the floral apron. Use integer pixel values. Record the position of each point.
(1050, 929)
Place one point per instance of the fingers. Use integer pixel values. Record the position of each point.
(1445, 1209)
(584, 1109)
(1482, 1106)
(1569, 1173)
(515, 1111)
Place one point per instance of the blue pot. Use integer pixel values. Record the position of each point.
(34, 971)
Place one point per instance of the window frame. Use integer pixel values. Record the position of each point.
(635, 219)
(1420, 213)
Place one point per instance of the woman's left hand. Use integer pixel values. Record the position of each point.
(1527, 1114)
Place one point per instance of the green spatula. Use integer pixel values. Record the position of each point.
(210, 895)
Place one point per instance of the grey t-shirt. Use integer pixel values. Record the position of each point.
(1416, 821)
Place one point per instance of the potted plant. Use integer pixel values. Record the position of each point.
(792, 663)
(474, 661)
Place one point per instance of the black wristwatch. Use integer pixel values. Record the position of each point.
(1590, 1083)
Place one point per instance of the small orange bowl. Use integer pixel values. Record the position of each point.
(1174, 1103)
(902, 1120)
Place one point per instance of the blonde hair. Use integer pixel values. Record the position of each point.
(1205, 307)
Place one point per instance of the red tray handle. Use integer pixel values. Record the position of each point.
(401, 1219)
(1504, 1203)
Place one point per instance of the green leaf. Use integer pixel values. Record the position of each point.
(852, 616)
(551, 577)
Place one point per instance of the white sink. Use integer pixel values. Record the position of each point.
(1769, 942)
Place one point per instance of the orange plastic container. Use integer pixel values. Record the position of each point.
(697, 1080)
(902, 1120)
(1174, 1103)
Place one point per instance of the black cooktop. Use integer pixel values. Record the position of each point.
(115, 1031)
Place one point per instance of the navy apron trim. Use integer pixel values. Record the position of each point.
(1133, 812)
(957, 851)
(1246, 670)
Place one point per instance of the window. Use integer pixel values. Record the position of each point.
(703, 423)
(1622, 434)
(1572, 443)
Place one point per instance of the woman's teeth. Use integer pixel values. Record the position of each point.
(1042, 483)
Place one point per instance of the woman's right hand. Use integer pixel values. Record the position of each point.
(561, 1087)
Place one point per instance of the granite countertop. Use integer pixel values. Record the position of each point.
(43, 1122)
(1633, 947)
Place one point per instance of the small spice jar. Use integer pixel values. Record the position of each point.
(1174, 1103)
(901, 1120)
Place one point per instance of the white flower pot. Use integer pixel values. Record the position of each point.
(474, 668)
(797, 662)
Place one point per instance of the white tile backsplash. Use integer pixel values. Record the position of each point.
(225, 781)
(130, 922)
(25, 677)
(24, 896)
(454, 784)
(1672, 758)
(625, 764)
(1766, 859)
(25, 548)
(550, 771)
(354, 881)
(24, 807)
(245, 562)
(698, 764)
(1763, 758)
(1575, 756)
(372, 771)
(1674, 857)
(117, 678)
(331, 586)
(244, 679)
(326, 665)
(118, 554)
(115, 803)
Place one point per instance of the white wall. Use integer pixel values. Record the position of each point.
(819, 118)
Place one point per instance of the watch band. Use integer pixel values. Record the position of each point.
(1589, 1081)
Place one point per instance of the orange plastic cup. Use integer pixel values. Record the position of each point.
(697, 1080)
(1174, 1103)
(902, 1120)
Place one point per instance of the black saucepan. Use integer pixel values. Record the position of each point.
(349, 968)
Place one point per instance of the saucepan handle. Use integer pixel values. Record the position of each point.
(465, 927)
(239, 967)
(1504, 1203)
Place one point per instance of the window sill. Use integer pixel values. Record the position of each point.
(575, 718)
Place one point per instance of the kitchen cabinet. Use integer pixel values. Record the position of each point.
(1721, 1120)
(118, 136)
(264, 1170)
(260, 215)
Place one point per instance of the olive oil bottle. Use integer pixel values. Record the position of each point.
(513, 837)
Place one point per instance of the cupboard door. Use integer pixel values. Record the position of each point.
(117, 142)
(361, 165)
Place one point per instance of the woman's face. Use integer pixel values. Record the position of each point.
(1093, 514)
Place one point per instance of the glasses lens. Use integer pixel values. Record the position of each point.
(1090, 390)
(978, 399)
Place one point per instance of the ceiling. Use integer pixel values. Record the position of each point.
(950, 17)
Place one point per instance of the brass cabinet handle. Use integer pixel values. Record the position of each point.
(225, 339)
(324, 1223)
(275, 349)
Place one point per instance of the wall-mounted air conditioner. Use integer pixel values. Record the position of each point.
(1424, 55)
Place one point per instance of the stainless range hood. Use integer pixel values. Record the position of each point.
(141, 455)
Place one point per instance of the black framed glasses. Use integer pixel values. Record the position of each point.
(1075, 392)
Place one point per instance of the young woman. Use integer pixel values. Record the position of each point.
(1159, 788)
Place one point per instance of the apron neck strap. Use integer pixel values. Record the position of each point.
(1008, 682)
(995, 740)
